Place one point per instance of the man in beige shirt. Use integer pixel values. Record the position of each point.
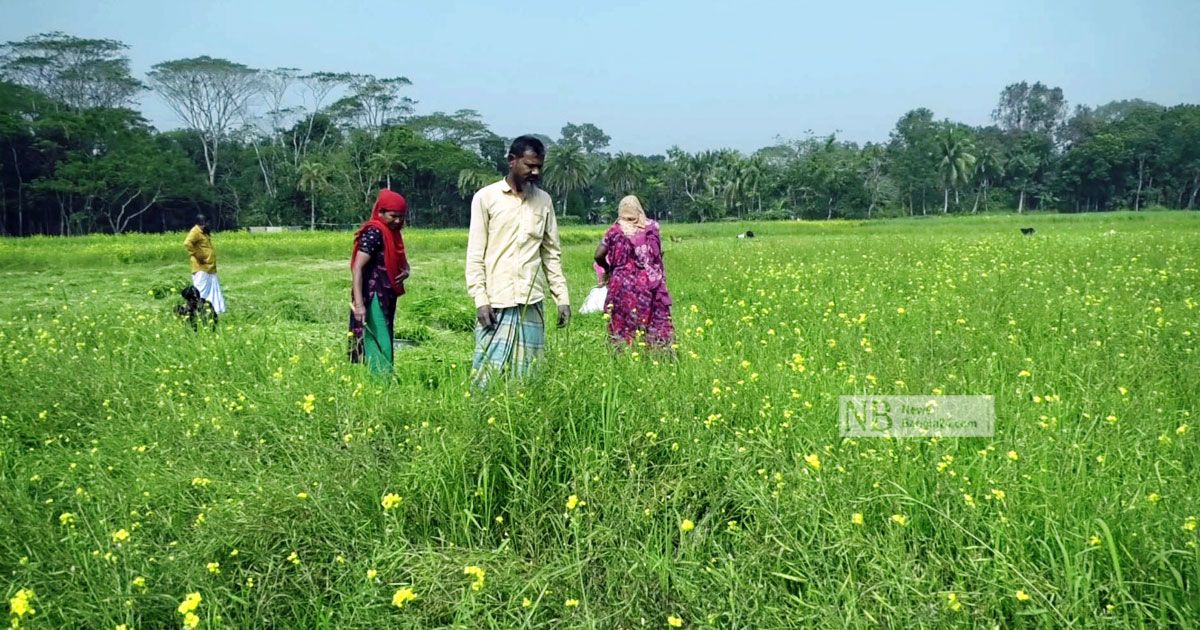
(512, 247)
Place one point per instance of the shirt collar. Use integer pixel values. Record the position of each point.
(507, 189)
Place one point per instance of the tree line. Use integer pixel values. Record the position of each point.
(285, 146)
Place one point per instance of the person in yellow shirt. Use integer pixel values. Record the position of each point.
(512, 248)
(204, 264)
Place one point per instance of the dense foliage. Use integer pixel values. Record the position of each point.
(286, 147)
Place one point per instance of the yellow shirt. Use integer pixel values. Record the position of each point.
(512, 239)
(199, 245)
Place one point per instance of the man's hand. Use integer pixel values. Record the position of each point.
(485, 317)
(564, 315)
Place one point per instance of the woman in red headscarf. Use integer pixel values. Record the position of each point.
(378, 268)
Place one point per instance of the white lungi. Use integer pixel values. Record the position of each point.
(210, 289)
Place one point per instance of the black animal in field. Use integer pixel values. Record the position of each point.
(1027, 231)
(195, 308)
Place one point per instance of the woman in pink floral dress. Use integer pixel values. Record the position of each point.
(638, 300)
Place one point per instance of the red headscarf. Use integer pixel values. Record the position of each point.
(393, 245)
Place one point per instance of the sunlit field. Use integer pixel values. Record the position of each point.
(154, 477)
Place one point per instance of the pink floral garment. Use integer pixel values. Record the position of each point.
(638, 299)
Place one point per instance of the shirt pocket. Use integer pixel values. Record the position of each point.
(533, 223)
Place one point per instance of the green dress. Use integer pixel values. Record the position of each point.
(371, 340)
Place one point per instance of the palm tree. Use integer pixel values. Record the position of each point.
(567, 171)
(721, 174)
(690, 171)
(314, 177)
(705, 179)
(753, 171)
(733, 189)
(652, 189)
(470, 181)
(988, 168)
(382, 163)
(623, 174)
(1022, 168)
(827, 172)
(956, 165)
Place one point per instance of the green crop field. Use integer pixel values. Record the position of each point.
(148, 471)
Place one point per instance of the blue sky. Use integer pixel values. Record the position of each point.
(697, 74)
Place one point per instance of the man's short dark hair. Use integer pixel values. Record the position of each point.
(527, 143)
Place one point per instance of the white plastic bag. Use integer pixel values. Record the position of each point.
(595, 301)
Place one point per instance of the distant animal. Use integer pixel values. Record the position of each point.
(746, 234)
(195, 308)
(1027, 231)
(676, 239)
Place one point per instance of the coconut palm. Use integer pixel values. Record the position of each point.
(382, 163)
(567, 171)
(470, 181)
(623, 174)
(314, 178)
(988, 168)
(753, 172)
(956, 164)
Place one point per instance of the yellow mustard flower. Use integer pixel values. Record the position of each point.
(403, 596)
(477, 573)
(19, 606)
(190, 603)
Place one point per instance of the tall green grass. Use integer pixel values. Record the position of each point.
(247, 446)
